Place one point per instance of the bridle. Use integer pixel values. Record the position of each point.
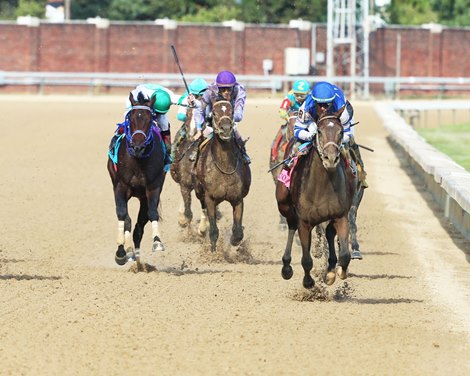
(320, 147)
(216, 124)
(147, 136)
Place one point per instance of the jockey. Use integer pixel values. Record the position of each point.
(291, 103)
(326, 97)
(197, 88)
(227, 88)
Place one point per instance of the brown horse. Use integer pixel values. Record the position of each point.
(137, 172)
(322, 189)
(221, 174)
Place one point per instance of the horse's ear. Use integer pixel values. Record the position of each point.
(339, 112)
(131, 98)
(152, 101)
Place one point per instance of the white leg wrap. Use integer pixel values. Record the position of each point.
(155, 229)
(120, 236)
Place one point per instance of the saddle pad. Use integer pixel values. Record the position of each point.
(113, 152)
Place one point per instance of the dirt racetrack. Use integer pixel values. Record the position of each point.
(66, 308)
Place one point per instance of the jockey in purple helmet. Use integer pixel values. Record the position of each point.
(225, 87)
(326, 97)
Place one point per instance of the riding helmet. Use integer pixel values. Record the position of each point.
(323, 92)
(162, 101)
(301, 87)
(225, 79)
(198, 86)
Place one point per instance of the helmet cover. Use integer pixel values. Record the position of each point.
(225, 79)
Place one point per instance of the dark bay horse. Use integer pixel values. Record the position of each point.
(138, 173)
(220, 174)
(322, 189)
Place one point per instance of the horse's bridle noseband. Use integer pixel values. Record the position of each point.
(320, 148)
(147, 136)
(217, 130)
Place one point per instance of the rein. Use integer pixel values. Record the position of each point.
(220, 168)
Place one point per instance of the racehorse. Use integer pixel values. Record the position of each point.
(278, 150)
(138, 172)
(220, 174)
(322, 189)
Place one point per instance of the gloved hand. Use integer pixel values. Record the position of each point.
(191, 100)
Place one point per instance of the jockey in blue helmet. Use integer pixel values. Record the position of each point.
(226, 88)
(326, 97)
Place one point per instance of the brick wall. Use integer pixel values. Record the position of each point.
(144, 47)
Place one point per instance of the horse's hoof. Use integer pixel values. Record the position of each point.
(121, 256)
(342, 273)
(356, 254)
(330, 278)
(158, 246)
(234, 242)
(308, 282)
(287, 272)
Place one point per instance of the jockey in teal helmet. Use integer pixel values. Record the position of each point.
(326, 97)
(290, 104)
(197, 87)
(294, 98)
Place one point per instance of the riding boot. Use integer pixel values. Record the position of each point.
(295, 148)
(356, 156)
(241, 145)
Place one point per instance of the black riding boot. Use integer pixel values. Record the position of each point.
(356, 156)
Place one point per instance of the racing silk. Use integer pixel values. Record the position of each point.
(147, 90)
(197, 119)
(305, 125)
(238, 98)
(288, 104)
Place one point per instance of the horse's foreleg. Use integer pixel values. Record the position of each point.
(185, 213)
(124, 227)
(330, 233)
(138, 233)
(305, 235)
(213, 229)
(237, 228)
(287, 271)
(342, 232)
(153, 198)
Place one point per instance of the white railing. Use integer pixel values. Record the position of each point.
(391, 86)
